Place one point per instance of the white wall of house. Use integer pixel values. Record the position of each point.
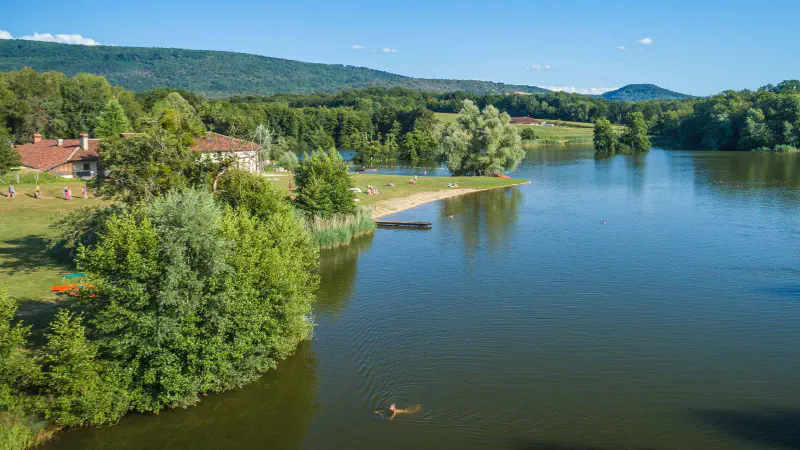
(85, 166)
(246, 160)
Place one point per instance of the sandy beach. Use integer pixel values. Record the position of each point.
(391, 206)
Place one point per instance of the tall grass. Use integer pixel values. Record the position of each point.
(18, 431)
(536, 142)
(341, 229)
(580, 140)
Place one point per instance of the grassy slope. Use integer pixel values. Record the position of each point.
(563, 133)
(216, 73)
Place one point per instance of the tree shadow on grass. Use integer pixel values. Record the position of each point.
(776, 427)
(548, 445)
(25, 254)
(38, 314)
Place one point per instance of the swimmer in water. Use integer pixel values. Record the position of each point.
(394, 411)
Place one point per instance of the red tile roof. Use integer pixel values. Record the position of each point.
(46, 154)
(525, 120)
(215, 142)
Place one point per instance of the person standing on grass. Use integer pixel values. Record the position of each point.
(85, 191)
(37, 192)
(67, 193)
(11, 191)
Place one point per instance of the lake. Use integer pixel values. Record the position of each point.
(637, 302)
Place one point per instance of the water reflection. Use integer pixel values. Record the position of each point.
(275, 410)
(488, 216)
(752, 174)
(338, 269)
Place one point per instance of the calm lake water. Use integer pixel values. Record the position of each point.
(526, 323)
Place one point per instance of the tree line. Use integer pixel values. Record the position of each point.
(388, 123)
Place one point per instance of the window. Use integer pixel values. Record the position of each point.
(87, 166)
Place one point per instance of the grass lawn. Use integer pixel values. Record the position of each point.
(26, 271)
(403, 189)
(563, 132)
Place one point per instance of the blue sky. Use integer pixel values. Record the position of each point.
(696, 47)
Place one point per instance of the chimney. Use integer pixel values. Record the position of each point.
(37, 138)
(60, 142)
(84, 138)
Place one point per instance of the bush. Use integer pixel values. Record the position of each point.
(17, 370)
(288, 160)
(78, 389)
(323, 185)
(528, 134)
(192, 298)
(259, 196)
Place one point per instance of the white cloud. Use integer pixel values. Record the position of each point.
(538, 67)
(574, 90)
(5, 35)
(61, 38)
(356, 47)
(645, 41)
(389, 50)
(622, 47)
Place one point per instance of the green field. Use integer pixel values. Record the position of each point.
(563, 131)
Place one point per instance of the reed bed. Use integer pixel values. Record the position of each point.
(341, 229)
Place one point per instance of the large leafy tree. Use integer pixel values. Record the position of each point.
(147, 165)
(85, 97)
(112, 120)
(605, 138)
(158, 159)
(635, 136)
(193, 297)
(323, 185)
(481, 142)
(9, 156)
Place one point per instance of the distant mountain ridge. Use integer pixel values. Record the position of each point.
(643, 92)
(218, 73)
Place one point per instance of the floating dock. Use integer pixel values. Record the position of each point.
(406, 225)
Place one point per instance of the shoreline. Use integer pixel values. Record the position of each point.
(387, 207)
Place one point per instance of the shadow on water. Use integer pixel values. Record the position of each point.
(546, 445)
(770, 426)
(488, 215)
(274, 412)
(338, 269)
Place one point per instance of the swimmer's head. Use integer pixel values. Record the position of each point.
(392, 407)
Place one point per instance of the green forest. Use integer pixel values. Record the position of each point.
(384, 123)
(643, 92)
(218, 74)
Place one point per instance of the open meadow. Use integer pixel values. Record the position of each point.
(563, 131)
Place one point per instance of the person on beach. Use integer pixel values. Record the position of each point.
(85, 191)
(11, 191)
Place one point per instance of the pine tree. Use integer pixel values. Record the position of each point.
(112, 121)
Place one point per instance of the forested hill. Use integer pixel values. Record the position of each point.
(218, 74)
(643, 93)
